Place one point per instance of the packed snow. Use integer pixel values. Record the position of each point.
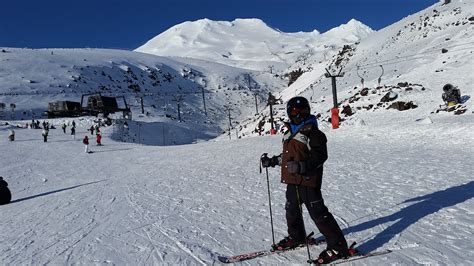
(407, 188)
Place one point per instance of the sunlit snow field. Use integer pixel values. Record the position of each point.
(407, 188)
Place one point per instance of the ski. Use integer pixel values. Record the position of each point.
(262, 253)
(357, 256)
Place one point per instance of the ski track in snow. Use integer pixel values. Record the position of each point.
(143, 205)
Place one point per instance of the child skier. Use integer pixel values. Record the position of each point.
(304, 153)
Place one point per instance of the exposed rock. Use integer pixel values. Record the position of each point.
(402, 84)
(370, 106)
(354, 99)
(364, 92)
(402, 106)
(390, 96)
(347, 110)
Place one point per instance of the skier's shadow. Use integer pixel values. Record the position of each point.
(54, 191)
(424, 206)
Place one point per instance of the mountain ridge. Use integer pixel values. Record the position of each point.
(241, 41)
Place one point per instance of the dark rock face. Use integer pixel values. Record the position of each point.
(347, 110)
(364, 92)
(389, 96)
(402, 106)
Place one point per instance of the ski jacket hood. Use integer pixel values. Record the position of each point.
(310, 120)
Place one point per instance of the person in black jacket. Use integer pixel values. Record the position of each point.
(451, 95)
(304, 153)
(73, 132)
(5, 194)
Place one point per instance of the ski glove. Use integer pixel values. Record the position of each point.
(270, 162)
(295, 167)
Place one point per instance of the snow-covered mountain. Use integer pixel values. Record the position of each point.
(31, 78)
(248, 43)
(413, 59)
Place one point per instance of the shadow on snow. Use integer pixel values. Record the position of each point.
(424, 206)
(54, 191)
(163, 133)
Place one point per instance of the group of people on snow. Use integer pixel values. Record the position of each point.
(47, 126)
(85, 141)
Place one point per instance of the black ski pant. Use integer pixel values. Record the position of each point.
(325, 222)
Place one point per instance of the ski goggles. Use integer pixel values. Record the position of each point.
(295, 111)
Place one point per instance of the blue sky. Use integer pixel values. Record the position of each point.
(127, 24)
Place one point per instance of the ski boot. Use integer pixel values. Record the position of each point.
(287, 243)
(330, 255)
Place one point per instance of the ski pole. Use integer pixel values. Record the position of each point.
(270, 204)
(302, 220)
(269, 199)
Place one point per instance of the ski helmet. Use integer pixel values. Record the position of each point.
(298, 109)
(447, 87)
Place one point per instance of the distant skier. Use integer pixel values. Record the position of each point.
(5, 194)
(304, 153)
(85, 141)
(45, 134)
(99, 138)
(451, 95)
(11, 136)
(73, 123)
(91, 129)
(63, 126)
(73, 132)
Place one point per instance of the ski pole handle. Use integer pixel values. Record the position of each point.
(260, 161)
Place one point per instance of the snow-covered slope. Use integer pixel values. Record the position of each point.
(413, 58)
(31, 78)
(247, 43)
(405, 187)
